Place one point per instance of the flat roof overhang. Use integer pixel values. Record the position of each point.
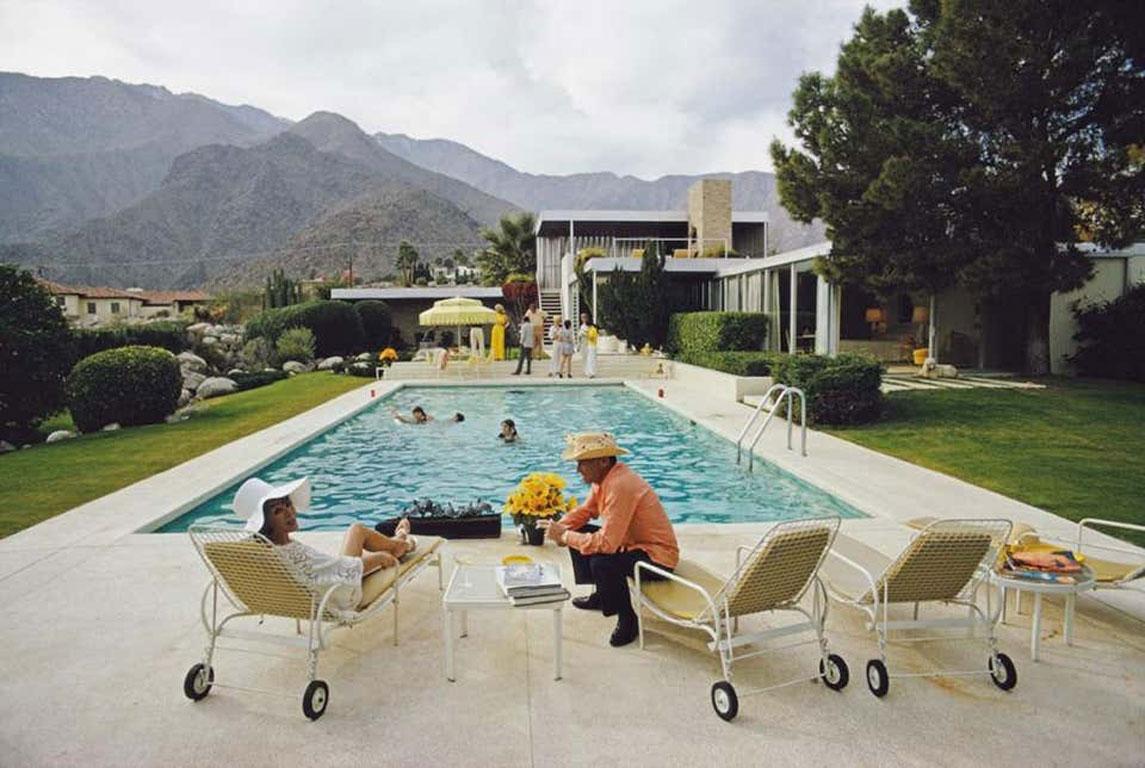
(556, 223)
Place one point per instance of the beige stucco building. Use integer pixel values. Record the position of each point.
(92, 306)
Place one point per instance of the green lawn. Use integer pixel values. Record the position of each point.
(46, 480)
(1076, 449)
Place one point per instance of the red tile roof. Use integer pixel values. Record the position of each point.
(170, 297)
(147, 297)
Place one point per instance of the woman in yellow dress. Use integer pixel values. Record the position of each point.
(497, 344)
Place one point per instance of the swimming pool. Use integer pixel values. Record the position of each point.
(370, 467)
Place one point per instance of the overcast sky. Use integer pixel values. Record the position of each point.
(646, 87)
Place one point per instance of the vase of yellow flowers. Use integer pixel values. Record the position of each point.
(388, 356)
(539, 496)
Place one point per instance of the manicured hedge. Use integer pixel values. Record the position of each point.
(257, 379)
(128, 385)
(840, 390)
(693, 332)
(377, 323)
(171, 335)
(336, 327)
(735, 363)
(1112, 337)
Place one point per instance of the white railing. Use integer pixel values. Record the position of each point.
(780, 393)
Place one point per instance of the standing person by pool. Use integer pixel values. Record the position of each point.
(554, 345)
(634, 527)
(590, 337)
(536, 318)
(497, 340)
(526, 348)
(566, 345)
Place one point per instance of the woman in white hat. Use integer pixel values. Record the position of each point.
(272, 512)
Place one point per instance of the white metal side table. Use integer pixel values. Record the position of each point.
(474, 588)
(1084, 581)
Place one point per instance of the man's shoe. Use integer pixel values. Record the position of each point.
(626, 631)
(588, 602)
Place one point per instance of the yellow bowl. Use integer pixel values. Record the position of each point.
(516, 560)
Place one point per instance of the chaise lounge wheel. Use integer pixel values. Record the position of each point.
(197, 683)
(724, 700)
(877, 678)
(834, 672)
(1002, 671)
(315, 699)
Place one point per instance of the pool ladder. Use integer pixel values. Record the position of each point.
(780, 393)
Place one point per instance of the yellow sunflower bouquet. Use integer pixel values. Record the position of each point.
(539, 496)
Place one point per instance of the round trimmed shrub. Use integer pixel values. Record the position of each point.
(127, 385)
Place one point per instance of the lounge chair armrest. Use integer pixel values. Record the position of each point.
(1096, 523)
(739, 553)
(870, 577)
(642, 566)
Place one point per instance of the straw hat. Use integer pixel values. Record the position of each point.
(591, 445)
(254, 493)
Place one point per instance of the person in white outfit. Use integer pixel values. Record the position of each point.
(590, 337)
(555, 356)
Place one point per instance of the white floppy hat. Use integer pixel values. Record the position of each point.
(254, 493)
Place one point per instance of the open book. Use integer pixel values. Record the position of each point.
(532, 580)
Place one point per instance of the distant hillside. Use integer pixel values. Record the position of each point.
(330, 132)
(365, 233)
(76, 148)
(751, 190)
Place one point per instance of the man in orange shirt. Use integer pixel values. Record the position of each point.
(634, 527)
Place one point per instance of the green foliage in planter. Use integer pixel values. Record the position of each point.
(128, 385)
(257, 379)
(171, 335)
(735, 363)
(377, 323)
(36, 352)
(336, 327)
(840, 390)
(693, 332)
(295, 344)
(1112, 337)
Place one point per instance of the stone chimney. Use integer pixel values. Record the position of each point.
(709, 214)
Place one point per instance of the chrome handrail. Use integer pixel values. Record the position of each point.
(762, 403)
(786, 393)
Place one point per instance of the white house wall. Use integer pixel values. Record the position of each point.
(1108, 282)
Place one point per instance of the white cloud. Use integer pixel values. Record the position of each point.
(646, 88)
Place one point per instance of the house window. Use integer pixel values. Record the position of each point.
(60, 301)
(91, 307)
(115, 307)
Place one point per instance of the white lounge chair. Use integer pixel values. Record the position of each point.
(257, 582)
(946, 562)
(770, 577)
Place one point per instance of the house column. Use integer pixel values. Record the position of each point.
(595, 318)
(825, 325)
(791, 324)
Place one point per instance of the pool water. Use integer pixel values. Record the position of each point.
(370, 467)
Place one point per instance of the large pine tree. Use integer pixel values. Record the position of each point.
(970, 142)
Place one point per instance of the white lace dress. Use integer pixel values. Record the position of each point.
(321, 571)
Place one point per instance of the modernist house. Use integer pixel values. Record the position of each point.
(407, 303)
(87, 305)
(702, 241)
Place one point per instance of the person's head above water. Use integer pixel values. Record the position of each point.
(419, 414)
(459, 417)
(508, 430)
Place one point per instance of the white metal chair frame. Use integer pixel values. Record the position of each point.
(723, 628)
(877, 609)
(1135, 579)
(215, 623)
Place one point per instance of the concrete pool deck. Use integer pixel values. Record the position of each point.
(101, 623)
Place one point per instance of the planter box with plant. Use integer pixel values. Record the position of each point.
(429, 518)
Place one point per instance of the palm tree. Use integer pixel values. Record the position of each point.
(511, 248)
(406, 262)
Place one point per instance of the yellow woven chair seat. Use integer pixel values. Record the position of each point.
(376, 584)
(678, 600)
(1109, 571)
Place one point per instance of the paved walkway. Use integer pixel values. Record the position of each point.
(101, 624)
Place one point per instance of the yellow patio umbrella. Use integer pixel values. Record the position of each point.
(457, 311)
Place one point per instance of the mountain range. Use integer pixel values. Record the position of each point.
(105, 182)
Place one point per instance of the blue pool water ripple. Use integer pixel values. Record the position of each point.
(370, 467)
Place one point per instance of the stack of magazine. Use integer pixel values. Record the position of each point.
(1059, 567)
(533, 584)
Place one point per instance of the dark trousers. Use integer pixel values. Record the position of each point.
(526, 359)
(609, 573)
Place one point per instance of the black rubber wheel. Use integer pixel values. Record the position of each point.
(877, 678)
(834, 673)
(315, 699)
(724, 700)
(197, 683)
(1002, 671)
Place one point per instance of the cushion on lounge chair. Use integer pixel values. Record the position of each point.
(678, 600)
(378, 582)
(1110, 572)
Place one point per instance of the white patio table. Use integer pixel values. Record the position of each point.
(1084, 581)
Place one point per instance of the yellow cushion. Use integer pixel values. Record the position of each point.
(681, 601)
(378, 582)
(1108, 571)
